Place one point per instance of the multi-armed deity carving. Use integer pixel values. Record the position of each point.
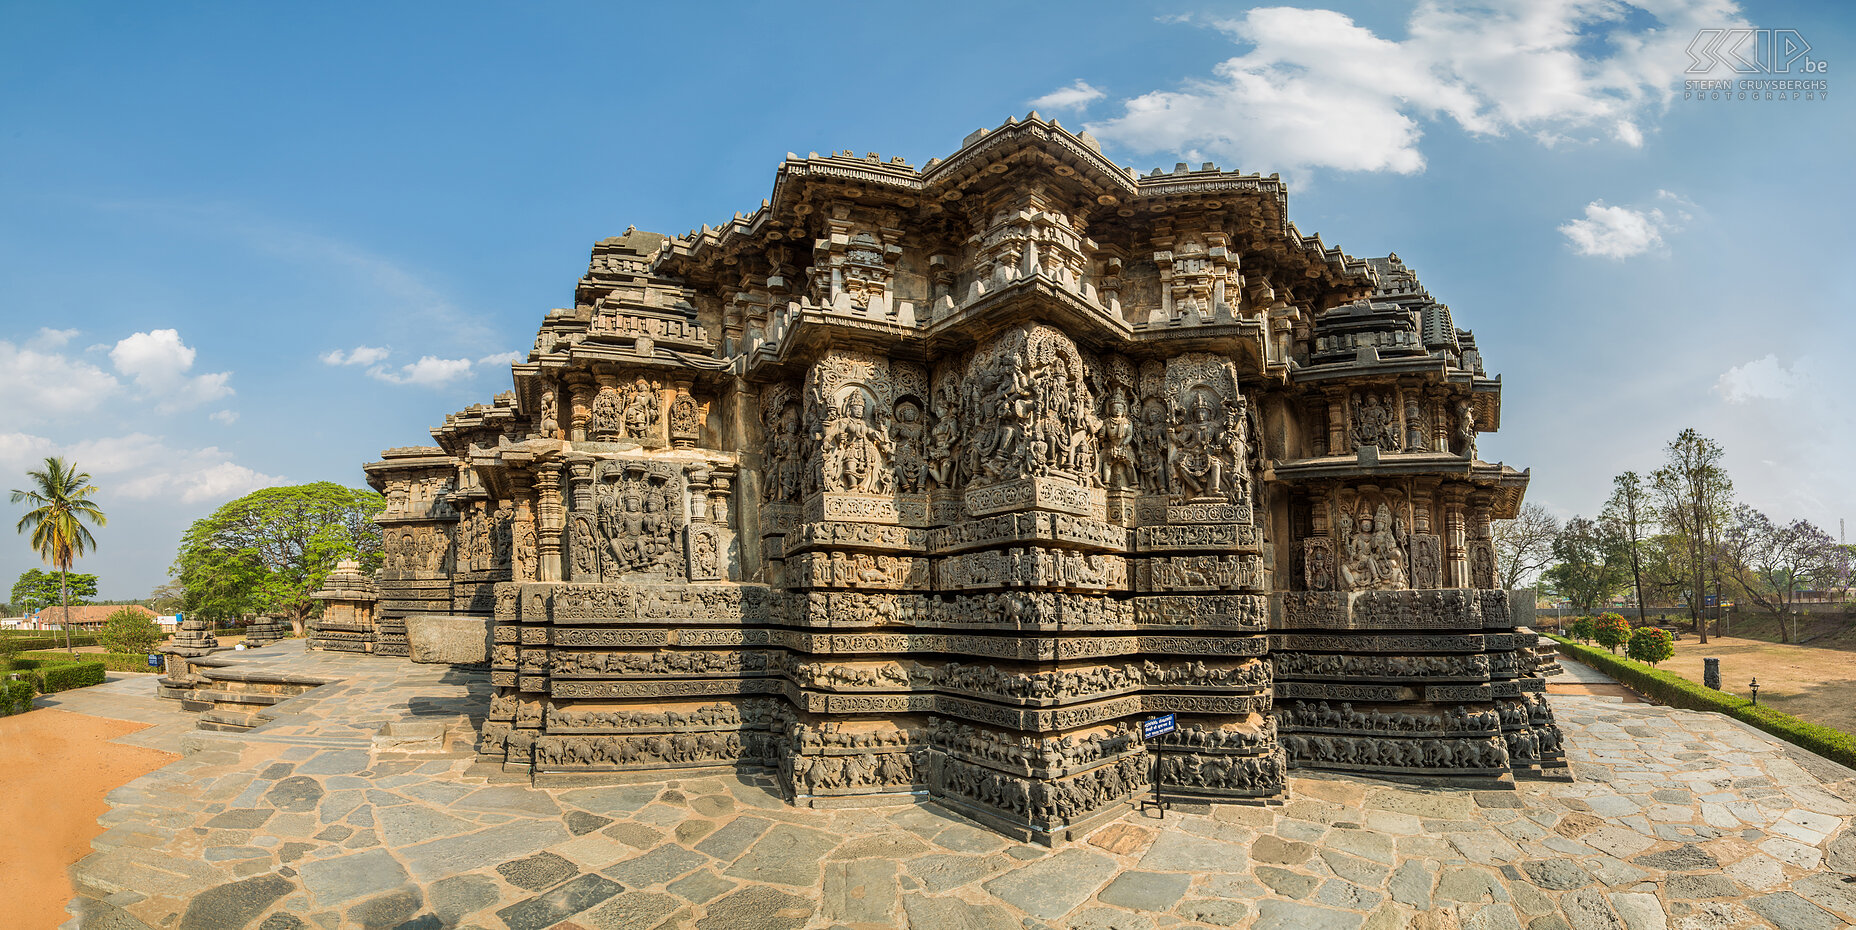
(639, 517)
(1373, 555)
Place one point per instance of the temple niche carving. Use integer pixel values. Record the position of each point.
(930, 484)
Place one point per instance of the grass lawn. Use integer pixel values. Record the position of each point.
(1816, 682)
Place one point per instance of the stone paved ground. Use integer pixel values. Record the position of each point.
(1675, 819)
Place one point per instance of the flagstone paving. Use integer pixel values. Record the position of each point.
(1673, 819)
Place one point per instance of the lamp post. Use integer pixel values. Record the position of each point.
(1755, 688)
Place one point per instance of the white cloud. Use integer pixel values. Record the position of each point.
(359, 355)
(501, 358)
(1763, 379)
(1074, 97)
(428, 371)
(228, 417)
(49, 338)
(37, 385)
(1617, 232)
(158, 361)
(1315, 89)
(142, 467)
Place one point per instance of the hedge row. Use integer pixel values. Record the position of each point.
(59, 676)
(1676, 691)
(29, 641)
(114, 661)
(15, 697)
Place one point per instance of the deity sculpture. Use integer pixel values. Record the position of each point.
(1373, 557)
(856, 449)
(1466, 429)
(1119, 470)
(943, 437)
(641, 409)
(906, 434)
(1197, 468)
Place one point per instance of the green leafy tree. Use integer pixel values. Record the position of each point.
(1581, 630)
(1627, 519)
(1650, 644)
(61, 505)
(129, 630)
(1586, 567)
(1770, 562)
(1692, 496)
(168, 599)
(36, 590)
(267, 551)
(1611, 630)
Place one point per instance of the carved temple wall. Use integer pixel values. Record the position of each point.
(934, 483)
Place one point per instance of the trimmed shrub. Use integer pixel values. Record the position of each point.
(1581, 630)
(68, 675)
(1611, 631)
(15, 697)
(1650, 644)
(1676, 691)
(130, 630)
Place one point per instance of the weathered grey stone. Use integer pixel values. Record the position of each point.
(1105, 918)
(940, 872)
(1288, 915)
(786, 855)
(1788, 911)
(757, 907)
(407, 824)
(459, 896)
(335, 762)
(1471, 885)
(559, 904)
(249, 818)
(1557, 874)
(1146, 891)
(1355, 869)
(1286, 883)
(1187, 852)
(448, 640)
(393, 909)
(1587, 909)
(733, 838)
(699, 887)
(1685, 858)
(442, 858)
(955, 914)
(859, 891)
(629, 910)
(1286, 852)
(1052, 887)
(536, 872)
(356, 875)
(580, 823)
(1700, 885)
(295, 794)
(660, 865)
(236, 904)
(1830, 891)
(1410, 885)
(1217, 912)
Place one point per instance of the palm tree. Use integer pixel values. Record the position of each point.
(61, 503)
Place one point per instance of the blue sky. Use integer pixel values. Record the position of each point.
(201, 204)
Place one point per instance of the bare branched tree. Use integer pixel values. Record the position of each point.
(1524, 545)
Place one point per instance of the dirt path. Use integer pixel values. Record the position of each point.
(56, 768)
(1816, 683)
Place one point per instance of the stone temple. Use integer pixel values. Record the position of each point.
(934, 483)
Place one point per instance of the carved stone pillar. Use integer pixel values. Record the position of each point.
(523, 559)
(698, 478)
(582, 408)
(1456, 552)
(1337, 424)
(1440, 423)
(718, 498)
(582, 560)
(550, 518)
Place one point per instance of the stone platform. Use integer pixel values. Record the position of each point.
(324, 817)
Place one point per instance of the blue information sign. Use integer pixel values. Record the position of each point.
(154, 660)
(1157, 726)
